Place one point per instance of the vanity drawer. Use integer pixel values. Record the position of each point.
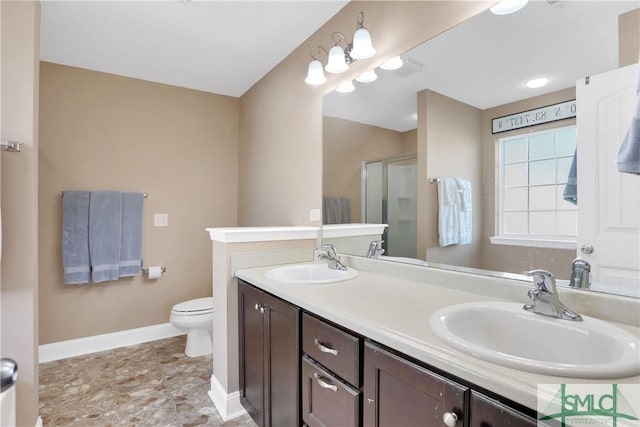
(332, 347)
(327, 401)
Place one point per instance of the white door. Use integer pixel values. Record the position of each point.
(608, 201)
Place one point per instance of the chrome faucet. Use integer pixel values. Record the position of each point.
(580, 270)
(545, 297)
(331, 256)
(375, 249)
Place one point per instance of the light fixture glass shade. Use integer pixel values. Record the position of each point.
(367, 77)
(362, 47)
(315, 75)
(346, 87)
(336, 63)
(392, 64)
(506, 7)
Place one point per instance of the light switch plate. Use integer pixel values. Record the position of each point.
(314, 214)
(160, 220)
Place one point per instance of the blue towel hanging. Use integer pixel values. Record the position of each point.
(75, 237)
(105, 225)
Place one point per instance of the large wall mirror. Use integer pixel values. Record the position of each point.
(389, 142)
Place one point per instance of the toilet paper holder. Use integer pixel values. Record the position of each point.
(146, 270)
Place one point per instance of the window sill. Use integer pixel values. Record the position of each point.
(535, 243)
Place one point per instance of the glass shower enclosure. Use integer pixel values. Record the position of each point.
(389, 196)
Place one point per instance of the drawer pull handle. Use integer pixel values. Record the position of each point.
(450, 419)
(324, 348)
(323, 383)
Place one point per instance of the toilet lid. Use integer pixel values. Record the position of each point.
(200, 304)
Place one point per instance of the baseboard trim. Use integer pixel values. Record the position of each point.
(227, 404)
(93, 344)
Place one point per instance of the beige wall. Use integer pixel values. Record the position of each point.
(449, 144)
(281, 117)
(346, 145)
(20, 28)
(517, 259)
(101, 131)
(629, 38)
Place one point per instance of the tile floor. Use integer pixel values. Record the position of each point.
(151, 384)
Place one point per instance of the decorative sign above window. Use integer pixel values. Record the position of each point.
(538, 116)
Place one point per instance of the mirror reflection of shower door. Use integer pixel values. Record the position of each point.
(390, 197)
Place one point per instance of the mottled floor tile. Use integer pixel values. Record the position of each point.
(151, 384)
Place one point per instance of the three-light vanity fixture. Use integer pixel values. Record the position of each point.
(342, 54)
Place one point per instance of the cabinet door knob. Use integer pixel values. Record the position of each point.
(262, 309)
(324, 348)
(323, 383)
(450, 419)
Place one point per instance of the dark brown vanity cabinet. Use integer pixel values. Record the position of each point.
(298, 369)
(269, 357)
(330, 375)
(486, 412)
(399, 393)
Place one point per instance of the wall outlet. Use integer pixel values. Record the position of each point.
(160, 220)
(314, 215)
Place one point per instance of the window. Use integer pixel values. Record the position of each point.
(532, 173)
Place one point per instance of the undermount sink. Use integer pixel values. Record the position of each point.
(311, 273)
(505, 334)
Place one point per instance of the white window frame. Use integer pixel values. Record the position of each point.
(500, 238)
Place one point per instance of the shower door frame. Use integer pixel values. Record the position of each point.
(385, 188)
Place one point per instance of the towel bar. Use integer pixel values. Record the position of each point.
(145, 195)
(434, 180)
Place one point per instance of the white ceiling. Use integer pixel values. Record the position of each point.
(485, 61)
(222, 47)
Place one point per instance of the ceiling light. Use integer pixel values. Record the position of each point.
(336, 62)
(506, 7)
(341, 54)
(367, 77)
(362, 46)
(346, 87)
(536, 83)
(315, 75)
(392, 64)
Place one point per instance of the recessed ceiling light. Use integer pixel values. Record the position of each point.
(536, 83)
(506, 7)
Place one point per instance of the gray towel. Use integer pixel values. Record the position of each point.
(131, 239)
(570, 193)
(75, 237)
(337, 210)
(629, 153)
(105, 213)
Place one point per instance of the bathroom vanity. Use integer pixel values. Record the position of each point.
(360, 353)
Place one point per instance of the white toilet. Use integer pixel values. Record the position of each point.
(195, 317)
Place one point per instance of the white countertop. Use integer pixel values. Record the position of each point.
(395, 312)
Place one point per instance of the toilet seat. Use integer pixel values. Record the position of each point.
(194, 306)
